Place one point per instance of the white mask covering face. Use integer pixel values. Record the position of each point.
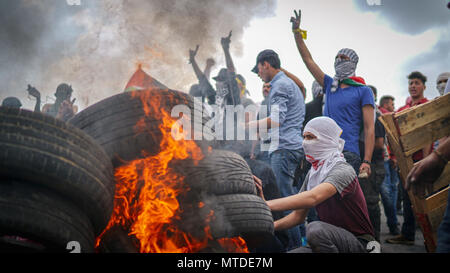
(441, 78)
(324, 151)
(441, 87)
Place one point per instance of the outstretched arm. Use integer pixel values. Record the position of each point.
(209, 64)
(35, 93)
(296, 80)
(192, 61)
(226, 49)
(313, 68)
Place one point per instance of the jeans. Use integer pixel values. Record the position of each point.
(409, 222)
(353, 159)
(284, 162)
(443, 244)
(389, 193)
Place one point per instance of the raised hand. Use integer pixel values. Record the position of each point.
(193, 53)
(296, 20)
(210, 62)
(33, 92)
(225, 41)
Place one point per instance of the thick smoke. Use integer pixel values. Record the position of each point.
(415, 17)
(97, 46)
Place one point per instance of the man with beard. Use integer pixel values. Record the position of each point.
(347, 100)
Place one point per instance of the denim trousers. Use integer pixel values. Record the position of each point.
(284, 162)
(389, 193)
(443, 244)
(353, 159)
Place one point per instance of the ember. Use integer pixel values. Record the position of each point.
(148, 191)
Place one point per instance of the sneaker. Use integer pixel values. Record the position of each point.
(394, 231)
(400, 239)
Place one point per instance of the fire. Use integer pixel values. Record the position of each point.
(146, 200)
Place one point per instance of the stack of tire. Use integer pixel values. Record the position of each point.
(56, 184)
(222, 177)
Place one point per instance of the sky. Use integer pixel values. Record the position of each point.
(390, 43)
(97, 45)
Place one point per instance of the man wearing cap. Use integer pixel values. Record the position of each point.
(285, 120)
(347, 100)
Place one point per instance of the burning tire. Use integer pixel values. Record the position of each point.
(40, 150)
(127, 125)
(241, 215)
(221, 172)
(43, 218)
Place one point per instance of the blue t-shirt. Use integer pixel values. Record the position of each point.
(287, 107)
(345, 107)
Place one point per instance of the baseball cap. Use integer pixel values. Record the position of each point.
(222, 76)
(264, 55)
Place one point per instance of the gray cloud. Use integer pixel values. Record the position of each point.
(415, 17)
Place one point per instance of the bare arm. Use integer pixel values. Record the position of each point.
(369, 136)
(297, 81)
(226, 49)
(304, 200)
(209, 64)
(195, 66)
(292, 219)
(313, 68)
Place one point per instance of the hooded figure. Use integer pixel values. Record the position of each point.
(441, 82)
(324, 151)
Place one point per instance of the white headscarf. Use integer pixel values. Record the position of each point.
(325, 151)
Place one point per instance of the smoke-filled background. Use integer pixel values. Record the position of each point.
(96, 46)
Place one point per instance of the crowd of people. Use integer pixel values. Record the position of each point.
(327, 161)
(331, 161)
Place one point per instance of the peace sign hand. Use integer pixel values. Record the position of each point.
(296, 20)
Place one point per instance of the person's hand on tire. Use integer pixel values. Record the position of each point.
(259, 187)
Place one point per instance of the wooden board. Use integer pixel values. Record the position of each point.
(418, 116)
(418, 139)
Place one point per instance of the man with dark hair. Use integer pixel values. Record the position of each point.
(386, 104)
(285, 119)
(347, 100)
(416, 88)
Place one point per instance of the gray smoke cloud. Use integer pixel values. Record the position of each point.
(415, 17)
(97, 45)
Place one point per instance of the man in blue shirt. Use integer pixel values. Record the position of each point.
(285, 121)
(349, 103)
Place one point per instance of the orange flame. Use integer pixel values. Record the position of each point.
(147, 189)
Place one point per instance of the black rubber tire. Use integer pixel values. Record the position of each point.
(42, 216)
(112, 123)
(220, 172)
(240, 215)
(41, 150)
